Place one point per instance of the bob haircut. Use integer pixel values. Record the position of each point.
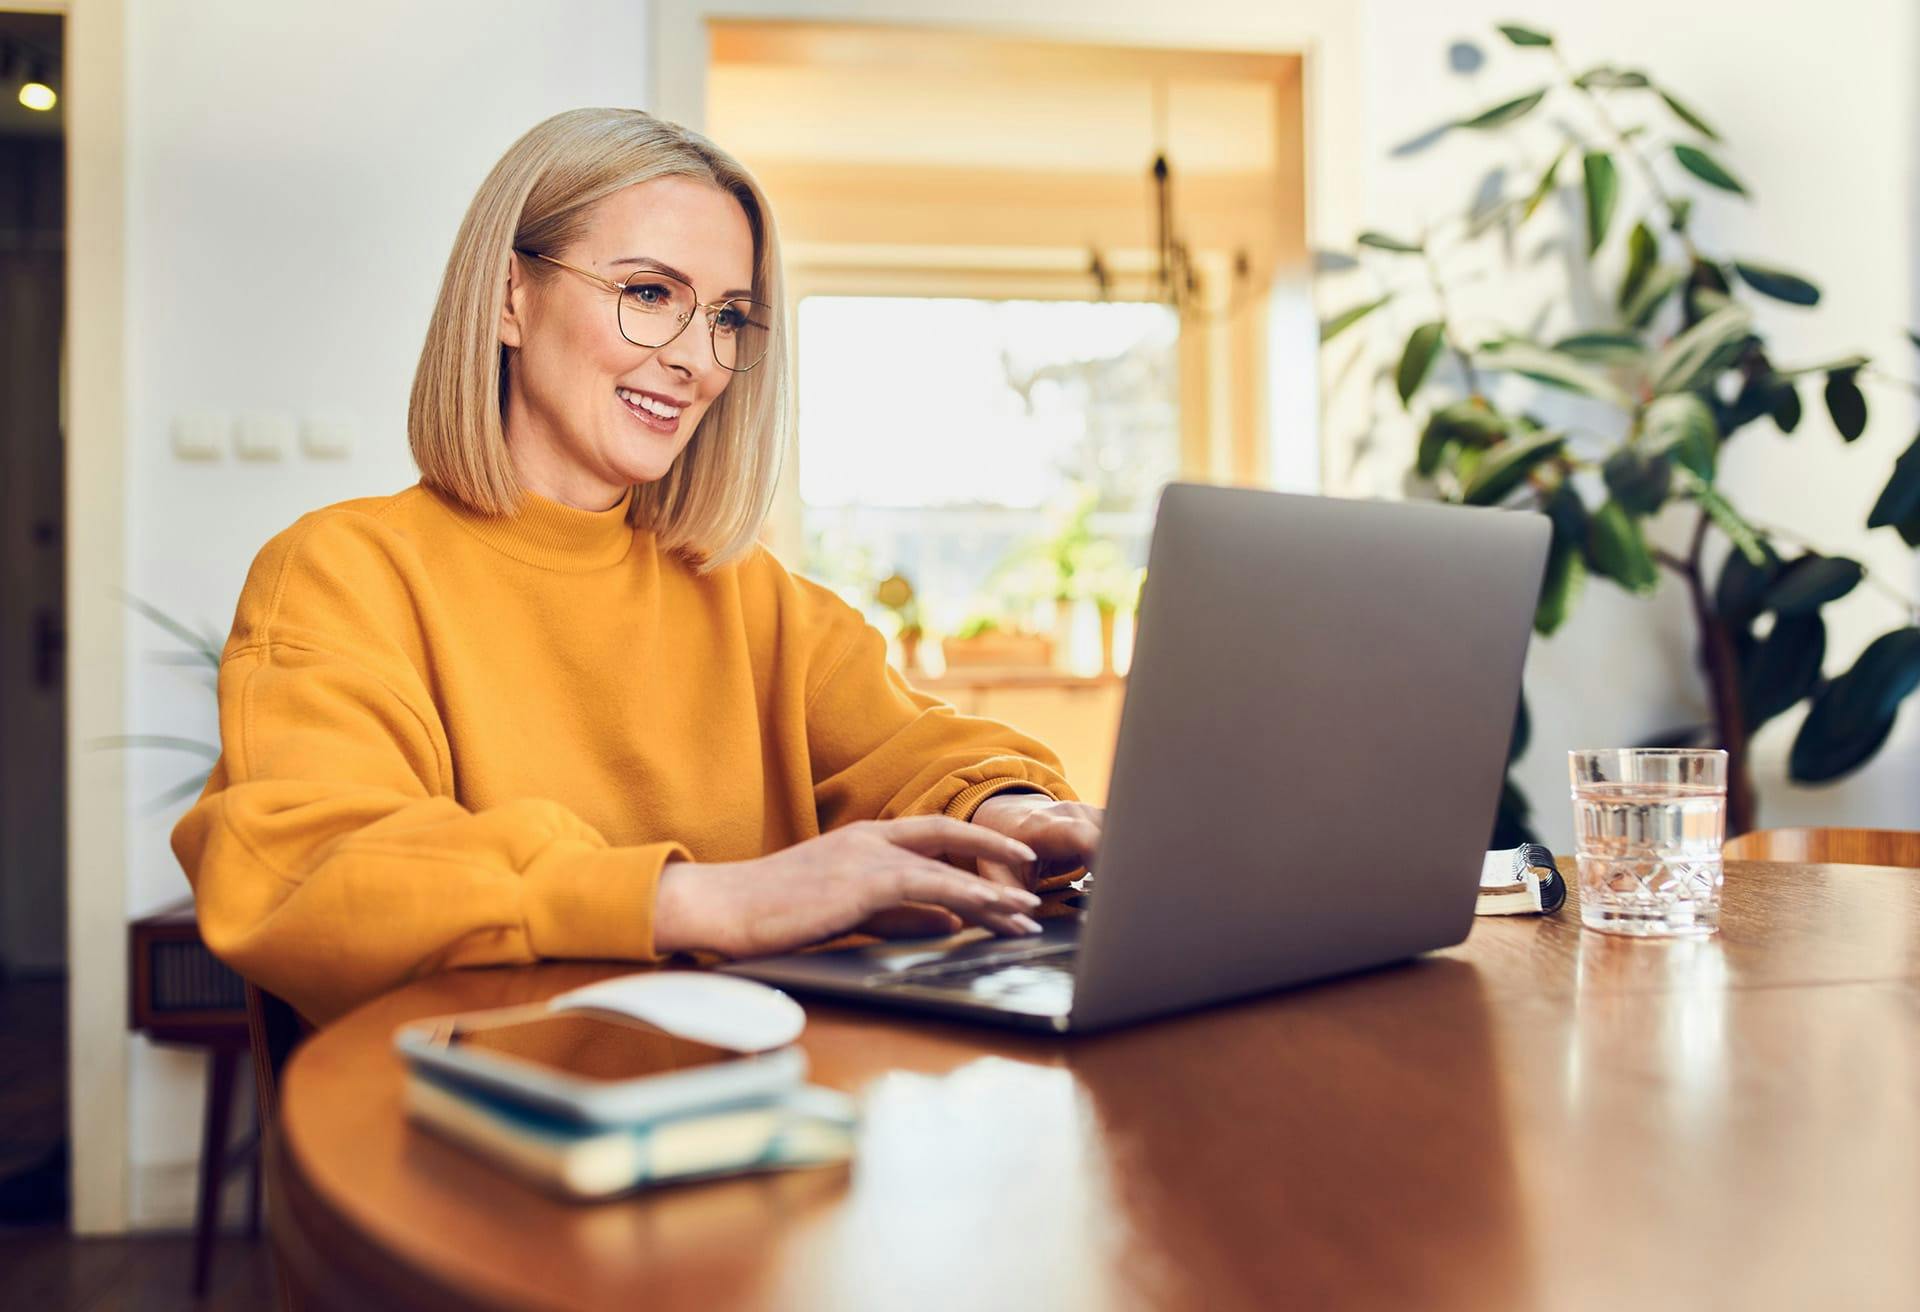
(712, 502)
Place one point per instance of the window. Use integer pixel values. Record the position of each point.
(949, 440)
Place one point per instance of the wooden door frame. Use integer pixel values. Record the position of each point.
(94, 84)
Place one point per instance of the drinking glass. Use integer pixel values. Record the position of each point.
(1648, 824)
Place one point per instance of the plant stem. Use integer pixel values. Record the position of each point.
(1721, 665)
(1893, 380)
(1625, 144)
(1446, 319)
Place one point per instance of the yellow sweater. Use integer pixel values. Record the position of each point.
(448, 740)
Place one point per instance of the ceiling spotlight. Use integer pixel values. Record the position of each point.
(35, 92)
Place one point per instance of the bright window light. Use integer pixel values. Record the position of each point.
(941, 437)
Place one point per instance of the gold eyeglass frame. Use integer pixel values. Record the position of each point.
(712, 308)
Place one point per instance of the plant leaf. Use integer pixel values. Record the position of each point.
(1686, 361)
(185, 788)
(1603, 347)
(1490, 203)
(1505, 112)
(1809, 582)
(1846, 403)
(1682, 427)
(1617, 549)
(1638, 481)
(1853, 715)
(1900, 499)
(1548, 367)
(1652, 293)
(1783, 668)
(1417, 360)
(1686, 115)
(1612, 79)
(166, 741)
(1505, 467)
(1603, 188)
(1642, 250)
(1741, 592)
(1346, 319)
(1704, 167)
(1471, 423)
(1543, 188)
(1745, 538)
(199, 645)
(1785, 408)
(1524, 36)
(1778, 284)
(1566, 569)
(1381, 241)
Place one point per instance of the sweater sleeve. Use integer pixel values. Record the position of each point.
(881, 748)
(328, 856)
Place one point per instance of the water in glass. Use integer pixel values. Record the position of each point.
(1649, 856)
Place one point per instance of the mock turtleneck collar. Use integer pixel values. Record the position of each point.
(554, 535)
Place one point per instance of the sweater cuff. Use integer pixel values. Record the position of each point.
(967, 801)
(584, 900)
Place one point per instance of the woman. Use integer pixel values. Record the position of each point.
(553, 701)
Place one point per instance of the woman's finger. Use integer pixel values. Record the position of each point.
(943, 836)
(929, 881)
(999, 872)
(1062, 837)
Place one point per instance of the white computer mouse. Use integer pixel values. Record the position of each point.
(723, 1010)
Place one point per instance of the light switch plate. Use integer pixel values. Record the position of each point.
(328, 437)
(201, 436)
(263, 437)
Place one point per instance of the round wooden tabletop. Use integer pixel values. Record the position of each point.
(1541, 1117)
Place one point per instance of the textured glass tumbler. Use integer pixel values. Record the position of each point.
(1647, 825)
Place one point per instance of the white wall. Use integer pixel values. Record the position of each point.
(1819, 114)
(296, 174)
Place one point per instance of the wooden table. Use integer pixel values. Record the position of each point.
(1542, 1117)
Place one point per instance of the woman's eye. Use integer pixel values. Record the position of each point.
(729, 320)
(649, 294)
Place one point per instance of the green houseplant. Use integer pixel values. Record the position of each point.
(1678, 368)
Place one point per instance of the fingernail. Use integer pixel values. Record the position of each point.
(1026, 853)
(1019, 897)
(1027, 923)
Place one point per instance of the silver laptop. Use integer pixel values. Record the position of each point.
(1310, 754)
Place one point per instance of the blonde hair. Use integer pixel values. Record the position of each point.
(714, 499)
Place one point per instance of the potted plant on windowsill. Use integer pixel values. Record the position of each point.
(984, 642)
(896, 594)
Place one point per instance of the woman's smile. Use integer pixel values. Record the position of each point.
(659, 413)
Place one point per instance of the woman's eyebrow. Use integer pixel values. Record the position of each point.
(672, 272)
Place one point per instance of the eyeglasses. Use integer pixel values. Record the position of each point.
(654, 307)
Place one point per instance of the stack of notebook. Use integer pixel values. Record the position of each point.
(639, 1080)
(807, 1126)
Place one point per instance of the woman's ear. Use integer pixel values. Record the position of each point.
(513, 312)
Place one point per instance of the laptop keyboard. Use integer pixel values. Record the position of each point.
(1040, 980)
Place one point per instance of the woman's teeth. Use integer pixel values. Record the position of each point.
(647, 403)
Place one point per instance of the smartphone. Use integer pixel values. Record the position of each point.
(595, 1067)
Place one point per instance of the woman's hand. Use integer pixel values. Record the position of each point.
(1064, 835)
(881, 876)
